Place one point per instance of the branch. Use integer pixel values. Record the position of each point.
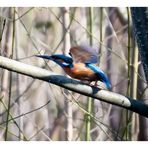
(74, 85)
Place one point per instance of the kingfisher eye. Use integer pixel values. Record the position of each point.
(70, 54)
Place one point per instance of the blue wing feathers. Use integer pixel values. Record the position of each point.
(100, 74)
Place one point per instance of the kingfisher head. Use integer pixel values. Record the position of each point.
(60, 59)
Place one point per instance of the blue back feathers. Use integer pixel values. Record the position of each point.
(65, 59)
(100, 74)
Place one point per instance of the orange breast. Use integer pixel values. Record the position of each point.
(81, 72)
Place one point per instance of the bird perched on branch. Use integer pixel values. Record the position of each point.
(80, 64)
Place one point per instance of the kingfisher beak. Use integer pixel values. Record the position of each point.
(45, 57)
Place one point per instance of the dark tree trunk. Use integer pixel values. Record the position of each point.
(140, 26)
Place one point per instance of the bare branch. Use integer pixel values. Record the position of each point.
(74, 85)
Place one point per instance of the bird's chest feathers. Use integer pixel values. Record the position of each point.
(80, 71)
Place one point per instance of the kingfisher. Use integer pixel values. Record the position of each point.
(80, 64)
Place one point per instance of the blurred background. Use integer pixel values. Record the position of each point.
(34, 110)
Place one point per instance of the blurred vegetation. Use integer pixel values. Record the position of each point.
(34, 110)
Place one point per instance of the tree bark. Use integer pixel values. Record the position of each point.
(140, 26)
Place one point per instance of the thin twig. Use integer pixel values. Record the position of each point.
(25, 113)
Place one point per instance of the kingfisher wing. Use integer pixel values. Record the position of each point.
(83, 54)
(100, 75)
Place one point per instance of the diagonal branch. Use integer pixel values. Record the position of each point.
(74, 85)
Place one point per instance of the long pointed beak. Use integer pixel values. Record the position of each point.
(44, 57)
